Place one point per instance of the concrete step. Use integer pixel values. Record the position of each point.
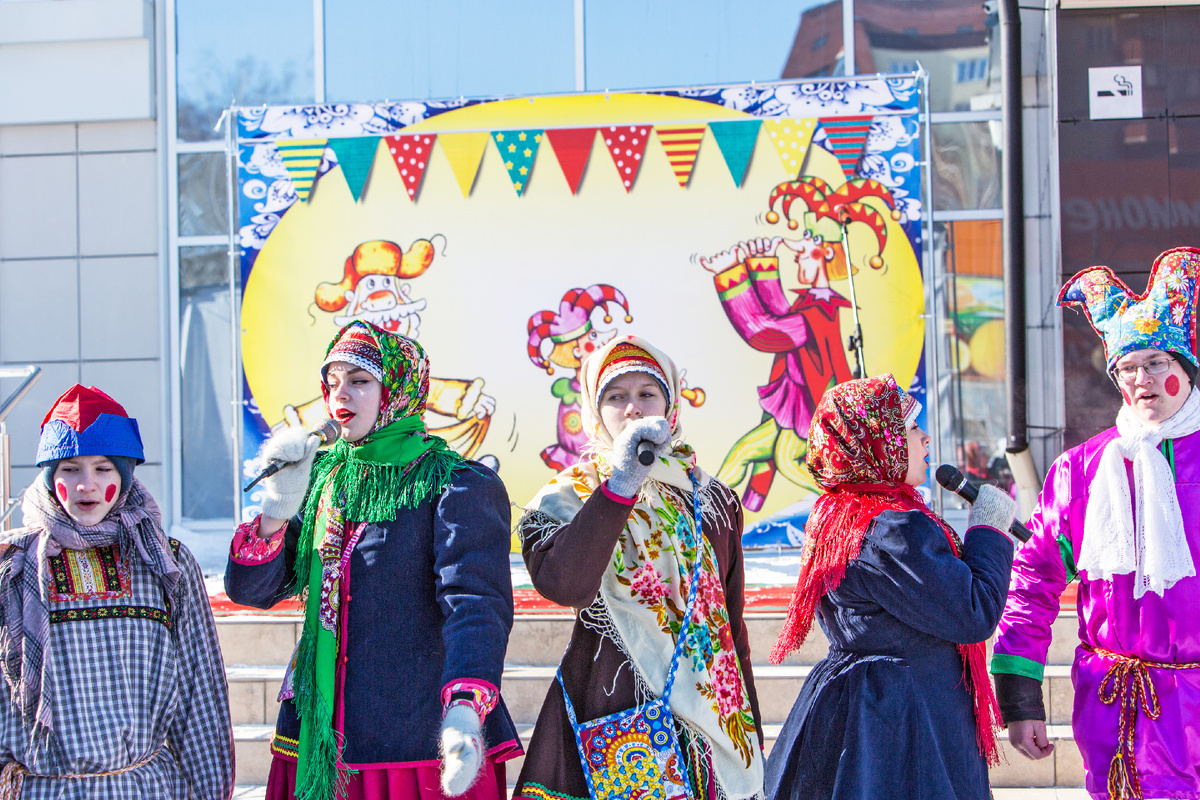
(1063, 768)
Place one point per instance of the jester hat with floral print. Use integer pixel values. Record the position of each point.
(1161, 318)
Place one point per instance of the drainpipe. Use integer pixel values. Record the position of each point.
(1013, 235)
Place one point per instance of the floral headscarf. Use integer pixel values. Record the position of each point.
(644, 589)
(858, 451)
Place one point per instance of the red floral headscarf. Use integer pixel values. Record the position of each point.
(858, 451)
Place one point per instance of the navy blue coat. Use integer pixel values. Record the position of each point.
(429, 601)
(887, 713)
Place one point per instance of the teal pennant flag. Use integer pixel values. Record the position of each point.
(517, 150)
(735, 139)
(355, 155)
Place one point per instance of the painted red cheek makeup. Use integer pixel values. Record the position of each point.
(110, 492)
(1172, 385)
(60, 489)
(1126, 397)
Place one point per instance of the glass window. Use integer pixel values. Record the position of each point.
(251, 52)
(202, 195)
(957, 41)
(402, 49)
(966, 165)
(710, 41)
(206, 364)
(970, 302)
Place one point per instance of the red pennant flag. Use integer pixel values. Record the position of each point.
(411, 154)
(573, 147)
(626, 143)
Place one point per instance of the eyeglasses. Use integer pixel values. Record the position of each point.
(1155, 366)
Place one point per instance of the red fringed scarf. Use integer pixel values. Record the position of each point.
(854, 436)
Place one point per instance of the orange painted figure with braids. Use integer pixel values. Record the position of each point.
(804, 334)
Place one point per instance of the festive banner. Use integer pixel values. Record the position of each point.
(735, 140)
(681, 143)
(302, 158)
(355, 157)
(510, 283)
(411, 154)
(847, 137)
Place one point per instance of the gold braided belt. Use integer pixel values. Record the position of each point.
(12, 777)
(1128, 681)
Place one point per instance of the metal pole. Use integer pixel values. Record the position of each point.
(1013, 226)
(856, 338)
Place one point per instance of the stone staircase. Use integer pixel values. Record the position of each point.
(256, 648)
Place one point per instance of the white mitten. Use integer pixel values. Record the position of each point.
(992, 508)
(462, 749)
(284, 491)
(628, 473)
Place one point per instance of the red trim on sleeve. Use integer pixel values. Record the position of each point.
(611, 495)
(251, 549)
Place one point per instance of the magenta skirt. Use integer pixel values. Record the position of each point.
(393, 783)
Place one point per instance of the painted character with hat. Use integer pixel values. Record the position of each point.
(1121, 513)
(804, 333)
(372, 289)
(113, 680)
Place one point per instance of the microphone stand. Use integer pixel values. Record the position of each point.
(856, 338)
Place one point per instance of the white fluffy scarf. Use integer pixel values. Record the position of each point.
(1156, 549)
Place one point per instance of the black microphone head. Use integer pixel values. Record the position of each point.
(328, 430)
(948, 477)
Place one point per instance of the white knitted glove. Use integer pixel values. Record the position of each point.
(993, 508)
(462, 749)
(628, 473)
(284, 491)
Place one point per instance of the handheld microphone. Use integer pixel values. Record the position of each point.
(645, 450)
(327, 431)
(953, 480)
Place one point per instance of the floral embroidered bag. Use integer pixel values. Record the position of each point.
(636, 753)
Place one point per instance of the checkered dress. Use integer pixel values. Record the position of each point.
(131, 680)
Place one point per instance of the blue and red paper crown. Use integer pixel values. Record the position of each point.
(1163, 317)
(85, 421)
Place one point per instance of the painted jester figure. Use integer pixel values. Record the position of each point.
(1121, 512)
(400, 548)
(113, 681)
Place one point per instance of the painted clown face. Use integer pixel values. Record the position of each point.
(383, 301)
(811, 255)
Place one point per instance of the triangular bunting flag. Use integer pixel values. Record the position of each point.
(735, 139)
(791, 138)
(847, 137)
(573, 147)
(626, 143)
(464, 151)
(518, 149)
(302, 158)
(411, 154)
(681, 143)
(355, 156)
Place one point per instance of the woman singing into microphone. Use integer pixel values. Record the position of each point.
(902, 707)
(400, 549)
(613, 538)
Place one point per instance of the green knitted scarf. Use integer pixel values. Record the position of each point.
(398, 466)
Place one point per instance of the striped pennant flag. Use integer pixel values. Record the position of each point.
(518, 149)
(302, 158)
(735, 139)
(464, 151)
(355, 155)
(847, 137)
(791, 138)
(681, 143)
(573, 147)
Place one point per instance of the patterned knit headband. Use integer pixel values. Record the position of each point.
(627, 357)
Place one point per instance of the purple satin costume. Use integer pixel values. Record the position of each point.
(1162, 629)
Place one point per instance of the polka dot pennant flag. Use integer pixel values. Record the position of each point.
(302, 158)
(464, 151)
(735, 139)
(355, 155)
(847, 138)
(626, 143)
(573, 147)
(791, 138)
(518, 149)
(411, 153)
(681, 143)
